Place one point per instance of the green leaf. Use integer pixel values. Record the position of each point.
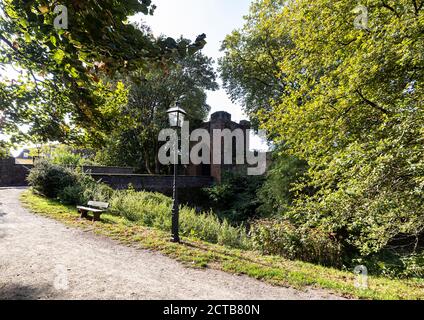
(53, 40)
(58, 56)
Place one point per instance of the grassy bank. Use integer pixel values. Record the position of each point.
(200, 254)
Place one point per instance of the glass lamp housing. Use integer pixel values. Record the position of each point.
(176, 116)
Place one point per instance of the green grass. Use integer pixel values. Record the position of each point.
(199, 254)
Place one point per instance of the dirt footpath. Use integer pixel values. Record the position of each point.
(43, 259)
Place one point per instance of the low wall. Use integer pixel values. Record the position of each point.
(155, 183)
(108, 170)
(13, 175)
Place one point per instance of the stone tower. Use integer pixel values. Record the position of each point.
(220, 120)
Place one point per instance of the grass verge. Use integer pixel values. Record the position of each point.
(199, 254)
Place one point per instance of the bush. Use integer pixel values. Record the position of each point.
(49, 179)
(413, 266)
(69, 186)
(236, 198)
(72, 195)
(390, 264)
(283, 238)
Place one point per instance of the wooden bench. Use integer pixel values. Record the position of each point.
(95, 207)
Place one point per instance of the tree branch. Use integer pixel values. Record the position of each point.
(370, 103)
(5, 40)
(385, 5)
(415, 6)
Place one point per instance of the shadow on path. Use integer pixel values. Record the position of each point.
(14, 291)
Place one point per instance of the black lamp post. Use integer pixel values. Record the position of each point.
(176, 120)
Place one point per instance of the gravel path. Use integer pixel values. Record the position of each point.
(43, 259)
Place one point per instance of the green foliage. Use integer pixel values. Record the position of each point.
(96, 191)
(350, 105)
(68, 185)
(393, 265)
(63, 66)
(236, 198)
(64, 156)
(250, 66)
(277, 193)
(4, 150)
(154, 210)
(72, 194)
(283, 238)
(50, 180)
(136, 122)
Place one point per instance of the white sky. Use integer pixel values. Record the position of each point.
(189, 18)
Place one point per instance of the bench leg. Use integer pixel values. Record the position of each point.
(96, 216)
(84, 214)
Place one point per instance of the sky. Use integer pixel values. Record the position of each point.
(190, 18)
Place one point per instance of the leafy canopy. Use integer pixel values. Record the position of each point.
(350, 103)
(135, 122)
(59, 69)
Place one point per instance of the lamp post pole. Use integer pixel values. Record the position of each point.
(176, 120)
(175, 206)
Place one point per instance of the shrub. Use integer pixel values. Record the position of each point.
(70, 186)
(283, 238)
(235, 199)
(94, 190)
(72, 195)
(277, 194)
(413, 265)
(49, 179)
(388, 263)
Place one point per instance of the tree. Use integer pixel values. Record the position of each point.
(138, 121)
(60, 68)
(235, 199)
(4, 150)
(277, 193)
(353, 109)
(250, 67)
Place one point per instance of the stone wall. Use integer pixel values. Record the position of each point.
(13, 175)
(155, 183)
(108, 170)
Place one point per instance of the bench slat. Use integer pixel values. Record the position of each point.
(98, 204)
(90, 209)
